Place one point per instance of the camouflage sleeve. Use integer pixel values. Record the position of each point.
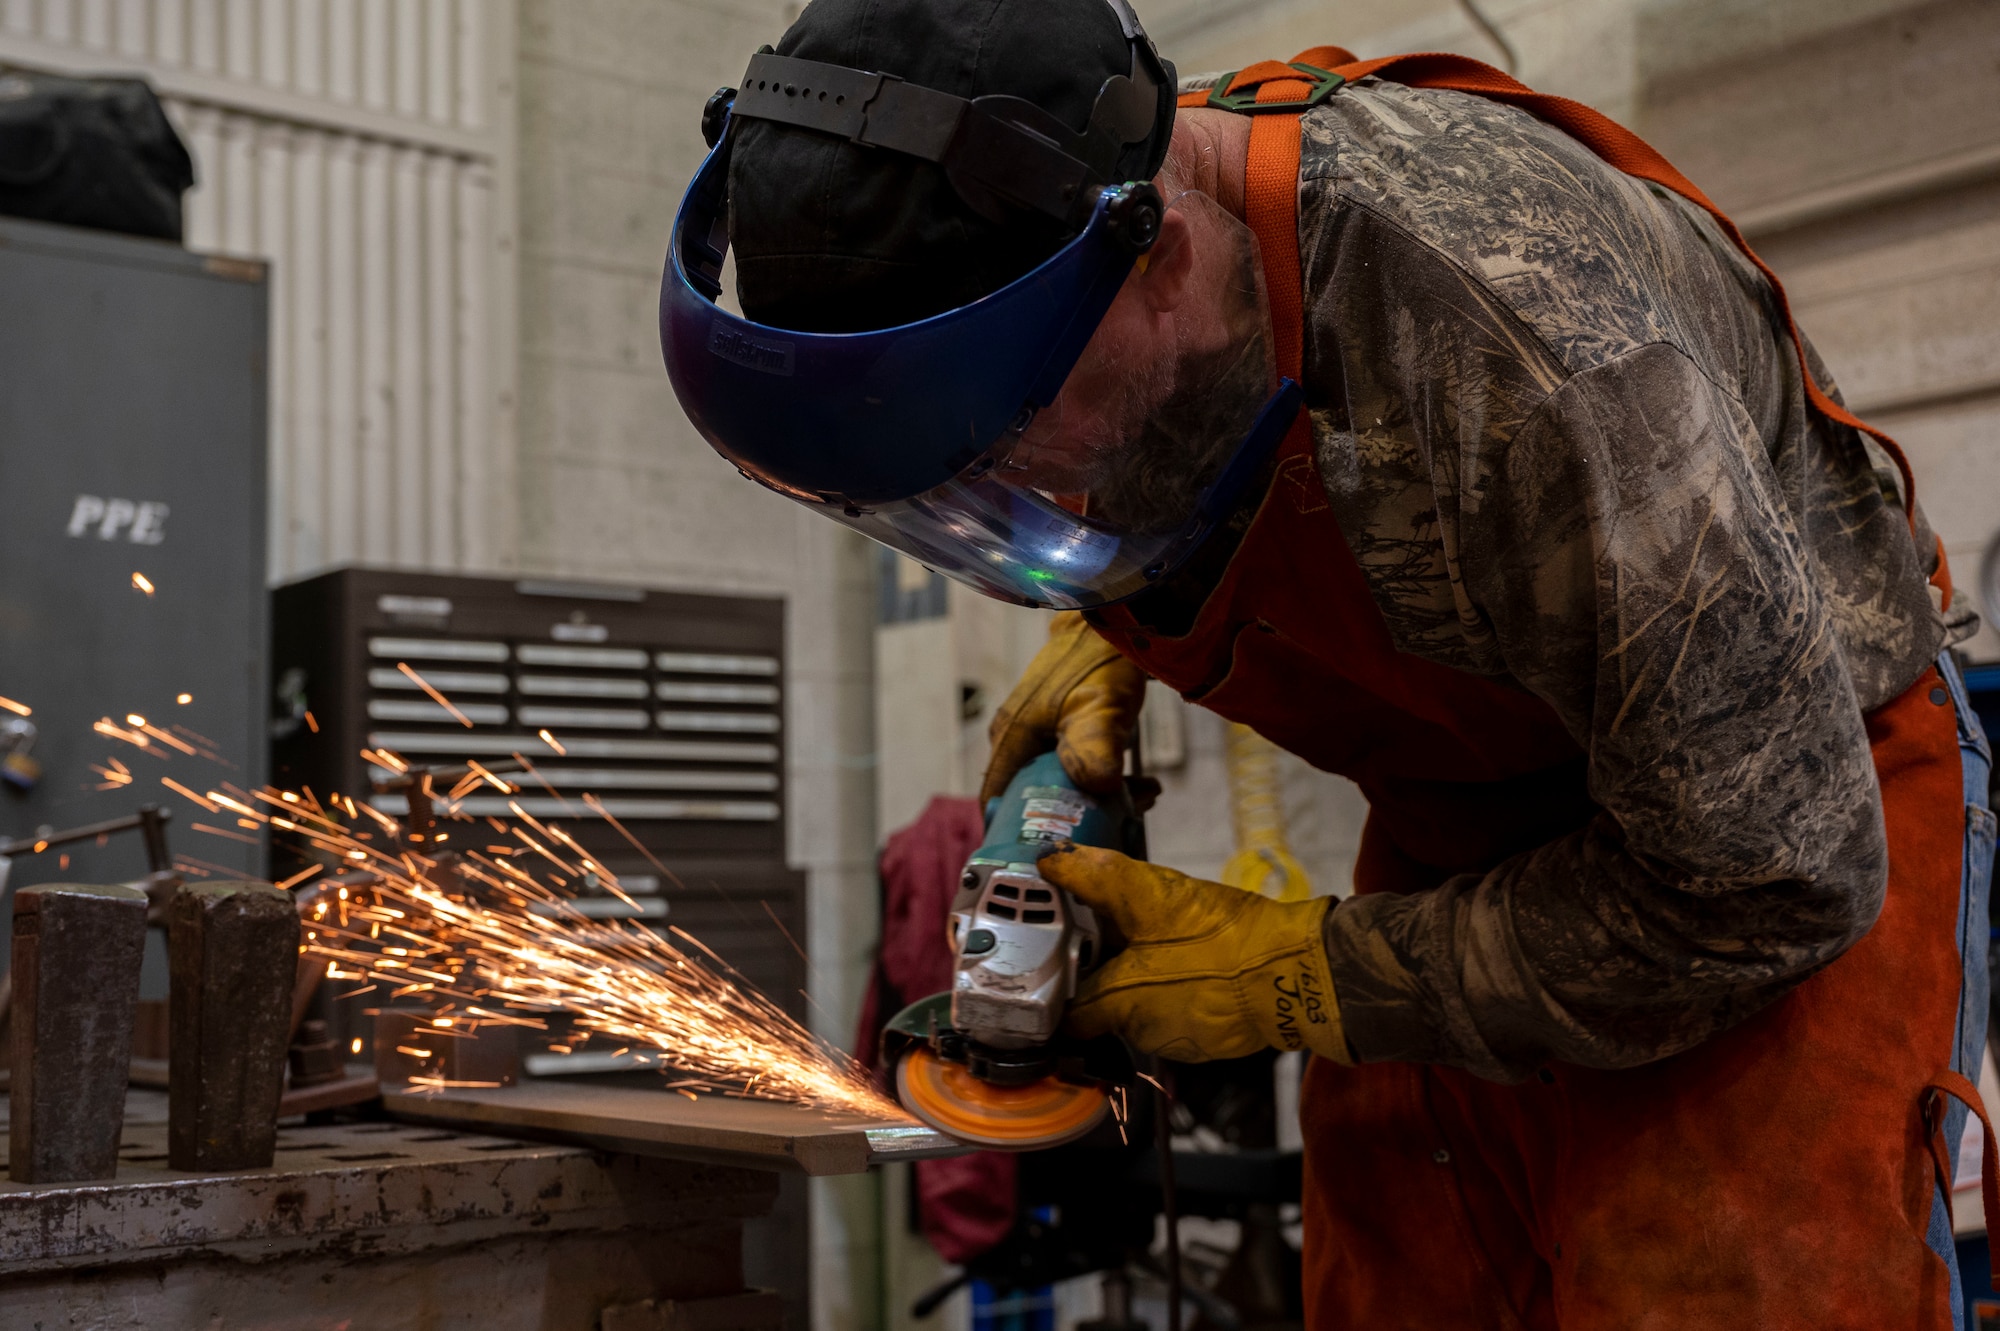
(1639, 573)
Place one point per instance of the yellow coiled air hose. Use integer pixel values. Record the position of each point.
(1263, 862)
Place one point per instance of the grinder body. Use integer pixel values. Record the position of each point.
(987, 1061)
(1019, 942)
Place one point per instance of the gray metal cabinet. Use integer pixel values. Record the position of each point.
(132, 440)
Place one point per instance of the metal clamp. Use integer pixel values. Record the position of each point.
(1325, 84)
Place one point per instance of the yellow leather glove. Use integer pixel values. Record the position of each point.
(1208, 971)
(1079, 697)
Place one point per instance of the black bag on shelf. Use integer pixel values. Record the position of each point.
(94, 152)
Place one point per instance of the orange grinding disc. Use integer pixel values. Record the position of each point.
(1009, 1118)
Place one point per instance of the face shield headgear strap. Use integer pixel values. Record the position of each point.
(1000, 153)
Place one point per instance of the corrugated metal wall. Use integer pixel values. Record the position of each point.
(365, 148)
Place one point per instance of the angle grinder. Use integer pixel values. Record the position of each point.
(988, 1062)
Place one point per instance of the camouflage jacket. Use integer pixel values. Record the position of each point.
(1569, 446)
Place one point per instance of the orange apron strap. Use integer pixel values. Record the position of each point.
(1635, 157)
(1271, 207)
(1271, 183)
(1959, 1088)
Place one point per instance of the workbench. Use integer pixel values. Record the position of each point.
(377, 1226)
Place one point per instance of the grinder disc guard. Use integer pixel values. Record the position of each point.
(1045, 1112)
(1006, 1099)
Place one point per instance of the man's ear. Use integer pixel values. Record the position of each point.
(1169, 264)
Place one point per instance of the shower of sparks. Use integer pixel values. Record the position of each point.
(143, 583)
(506, 946)
(18, 708)
(491, 938)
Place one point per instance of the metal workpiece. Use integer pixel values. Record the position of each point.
(233, 952)
(760, 1134)
(74, 990)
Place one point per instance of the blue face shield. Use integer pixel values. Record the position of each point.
(953, 441)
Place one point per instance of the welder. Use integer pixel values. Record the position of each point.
(1446, 435)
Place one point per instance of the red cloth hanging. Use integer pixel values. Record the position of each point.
(965, 1204)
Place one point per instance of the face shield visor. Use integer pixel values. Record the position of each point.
(998, 443)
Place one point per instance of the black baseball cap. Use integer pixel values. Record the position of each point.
(833, 236)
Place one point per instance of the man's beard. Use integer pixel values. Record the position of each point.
(1154, 435)
(1155, 478)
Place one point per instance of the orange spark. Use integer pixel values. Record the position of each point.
(116, 775)
(224, 832)
(385, 760)
(104, 725)
(143, 583)
(161, 735)
(182, 790)
(436, 697)
(543, 782)
(550, 740)
(499, 785)
(440, 1084)
(597, 807)
(299, 877)
(18, 708)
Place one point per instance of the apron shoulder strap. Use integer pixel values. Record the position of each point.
(1316, 74)
(1271, 177)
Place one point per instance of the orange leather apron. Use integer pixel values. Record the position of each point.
(1784, 1174)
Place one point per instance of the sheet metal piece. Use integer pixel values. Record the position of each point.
(721, 1129)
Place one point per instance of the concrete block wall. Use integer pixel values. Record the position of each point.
(616, 485)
